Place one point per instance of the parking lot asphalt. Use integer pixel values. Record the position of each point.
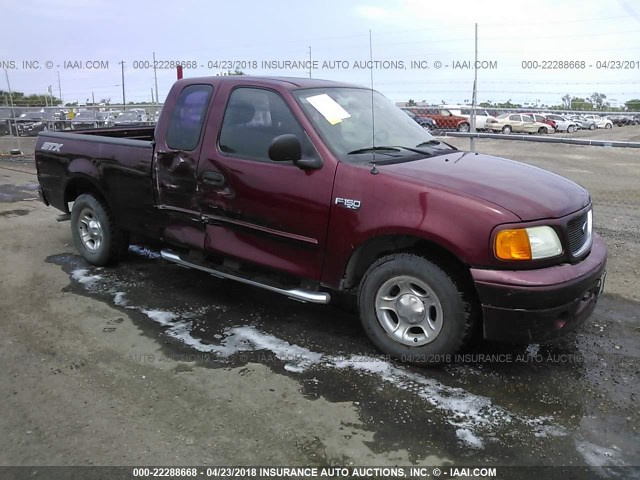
(150, 363)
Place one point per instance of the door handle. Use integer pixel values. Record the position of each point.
(214, 179)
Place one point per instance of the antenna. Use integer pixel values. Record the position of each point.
(373, 116)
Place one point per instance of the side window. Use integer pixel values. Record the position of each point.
(514, 118)
(527, 118)
(253, 118)
(185, 125)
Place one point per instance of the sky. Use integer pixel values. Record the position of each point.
(408, 39)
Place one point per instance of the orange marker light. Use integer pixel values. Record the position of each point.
(513, 245)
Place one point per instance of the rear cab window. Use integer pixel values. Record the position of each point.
(187, 118)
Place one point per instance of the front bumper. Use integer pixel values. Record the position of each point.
(523, 306)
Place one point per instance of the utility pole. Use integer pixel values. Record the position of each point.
(474, 98)
(152, 102)
(60, 91)
(124, 101)
(13, 113)
(155, 76)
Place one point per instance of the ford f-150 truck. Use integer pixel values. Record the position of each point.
(313, 189)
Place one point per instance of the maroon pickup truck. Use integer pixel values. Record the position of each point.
(313, 189)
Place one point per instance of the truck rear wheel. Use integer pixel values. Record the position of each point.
(413, 310)
(94, 232)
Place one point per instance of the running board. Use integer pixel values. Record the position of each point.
(294, 294)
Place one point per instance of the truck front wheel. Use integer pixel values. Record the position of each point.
(95, 234)
(413, 310)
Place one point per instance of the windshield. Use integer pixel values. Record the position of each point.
(343, 118)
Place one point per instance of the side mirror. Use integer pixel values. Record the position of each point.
(287, 148)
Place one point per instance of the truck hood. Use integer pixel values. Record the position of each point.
(529, 192)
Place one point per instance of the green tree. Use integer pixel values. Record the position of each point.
(578, 103)
(566, 101)
(633, 105)
(597, 100)
(507, 104)
(411, 103)
(31, 100)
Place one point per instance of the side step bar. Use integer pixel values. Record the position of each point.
(294, 294)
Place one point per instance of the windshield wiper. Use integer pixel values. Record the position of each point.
(429, 142)
(373, 149)
(436, 142)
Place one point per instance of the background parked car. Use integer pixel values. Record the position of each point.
(563, 124)
(517, 122)
(542, 119)
(424, 122)
(4, 126)
(444, 118)
(87, 119)
(584, 123)
(624, 120)
(29, 124)
(601, 122)
(481, 115)
(129, 118)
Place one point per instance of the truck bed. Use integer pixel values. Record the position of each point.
(117, 161)
(133, 133)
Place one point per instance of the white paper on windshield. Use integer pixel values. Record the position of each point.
(328, 108)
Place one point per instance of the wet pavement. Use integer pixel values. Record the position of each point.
(574, 402)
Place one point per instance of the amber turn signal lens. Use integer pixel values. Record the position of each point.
(513, 245)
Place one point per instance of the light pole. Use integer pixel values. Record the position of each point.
(124, 101)
(13, 113)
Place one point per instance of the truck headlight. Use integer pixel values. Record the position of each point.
(531, 243)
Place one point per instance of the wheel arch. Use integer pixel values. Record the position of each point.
(79, 184)
(374, 248)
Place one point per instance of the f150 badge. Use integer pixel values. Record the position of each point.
(348, 203)
(51, 147)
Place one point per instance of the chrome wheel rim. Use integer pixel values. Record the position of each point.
(409, 311)
(90, 229)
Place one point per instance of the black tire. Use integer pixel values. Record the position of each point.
(455, 312)
(542, 130)
(571, 129)
(607, 126)
(506, 129)
(464, 127)
(102, 243)
(593, 126)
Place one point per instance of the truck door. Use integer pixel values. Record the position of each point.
(259, 211)
(176, 163)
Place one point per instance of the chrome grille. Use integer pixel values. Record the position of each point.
(579, 233)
